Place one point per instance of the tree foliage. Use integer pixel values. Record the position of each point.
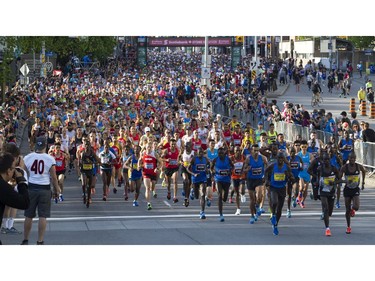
(99, 47)
(362, 42)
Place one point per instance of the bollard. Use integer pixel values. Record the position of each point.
(372, 110)
(363, 108)
(352, 106)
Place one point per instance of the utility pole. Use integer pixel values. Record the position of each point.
(330, 53)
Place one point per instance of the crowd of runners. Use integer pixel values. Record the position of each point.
(122, 129)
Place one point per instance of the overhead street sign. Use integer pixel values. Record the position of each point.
(24, 70)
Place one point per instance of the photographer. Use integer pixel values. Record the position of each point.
(8, 195)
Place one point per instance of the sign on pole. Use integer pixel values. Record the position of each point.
(24, 70)
(205, 73)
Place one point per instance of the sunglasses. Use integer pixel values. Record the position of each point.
(303, 146)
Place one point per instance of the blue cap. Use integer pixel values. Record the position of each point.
(260, 123)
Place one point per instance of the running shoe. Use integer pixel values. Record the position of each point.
(256, 217)
(273, 220)
(25, 242)
(238, 212)
(154, 194)
(13, 230)
(302, 205)
(4, 230)
(56, 200)
(61, 198)
(40, 242)
(79, 178)
(186, 203)
(208, 201)
(328, 232)
(104, 198)
(192, 195)
(135, 203)
(322, 216)
(348, 230)
(252, 220)
(202, 215)
(115, 190)
(275, 230)
(118, 185)
(183, 193)
(352, 212)
(262, 210)
(169, 196)
(221, 218)
(126, 197)
(294, 203)
(337, 205)
(149, 207)
(243, 198)
(311, 196)
(288, 214)
(259, 212)
(164, 184)
(93, 191)
(175, 200)
(231, 200)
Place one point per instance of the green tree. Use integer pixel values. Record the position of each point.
(362, 42)
(99, 47)
(8, 44)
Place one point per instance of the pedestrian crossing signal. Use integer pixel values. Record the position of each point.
(239, 39)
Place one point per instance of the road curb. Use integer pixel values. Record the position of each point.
(277, 94)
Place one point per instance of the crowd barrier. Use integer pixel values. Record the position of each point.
(365, 151)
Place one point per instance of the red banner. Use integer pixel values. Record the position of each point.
(187, 42)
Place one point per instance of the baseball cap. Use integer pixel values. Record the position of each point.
(260, 123)
(40, 143)
(147, 129)
(343, 113)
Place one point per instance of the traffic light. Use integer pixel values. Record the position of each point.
(239, 39)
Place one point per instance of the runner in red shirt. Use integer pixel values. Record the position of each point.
(149, 165)
(61, 162)
(196, 141)
(171, 157)
(237, 135)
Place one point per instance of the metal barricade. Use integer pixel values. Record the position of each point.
(365, 151)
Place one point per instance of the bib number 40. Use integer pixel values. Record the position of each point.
(37, 167)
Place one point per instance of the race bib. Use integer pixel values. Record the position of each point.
(353, 181)
(223, 172)
(87, 166)
(201, 167)
(173, 162)
(149, 166)
(186, 163)
(328, 180)
(256, 171)
(279, 177)
(135, 166)
(294, 165)
(59, 163)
